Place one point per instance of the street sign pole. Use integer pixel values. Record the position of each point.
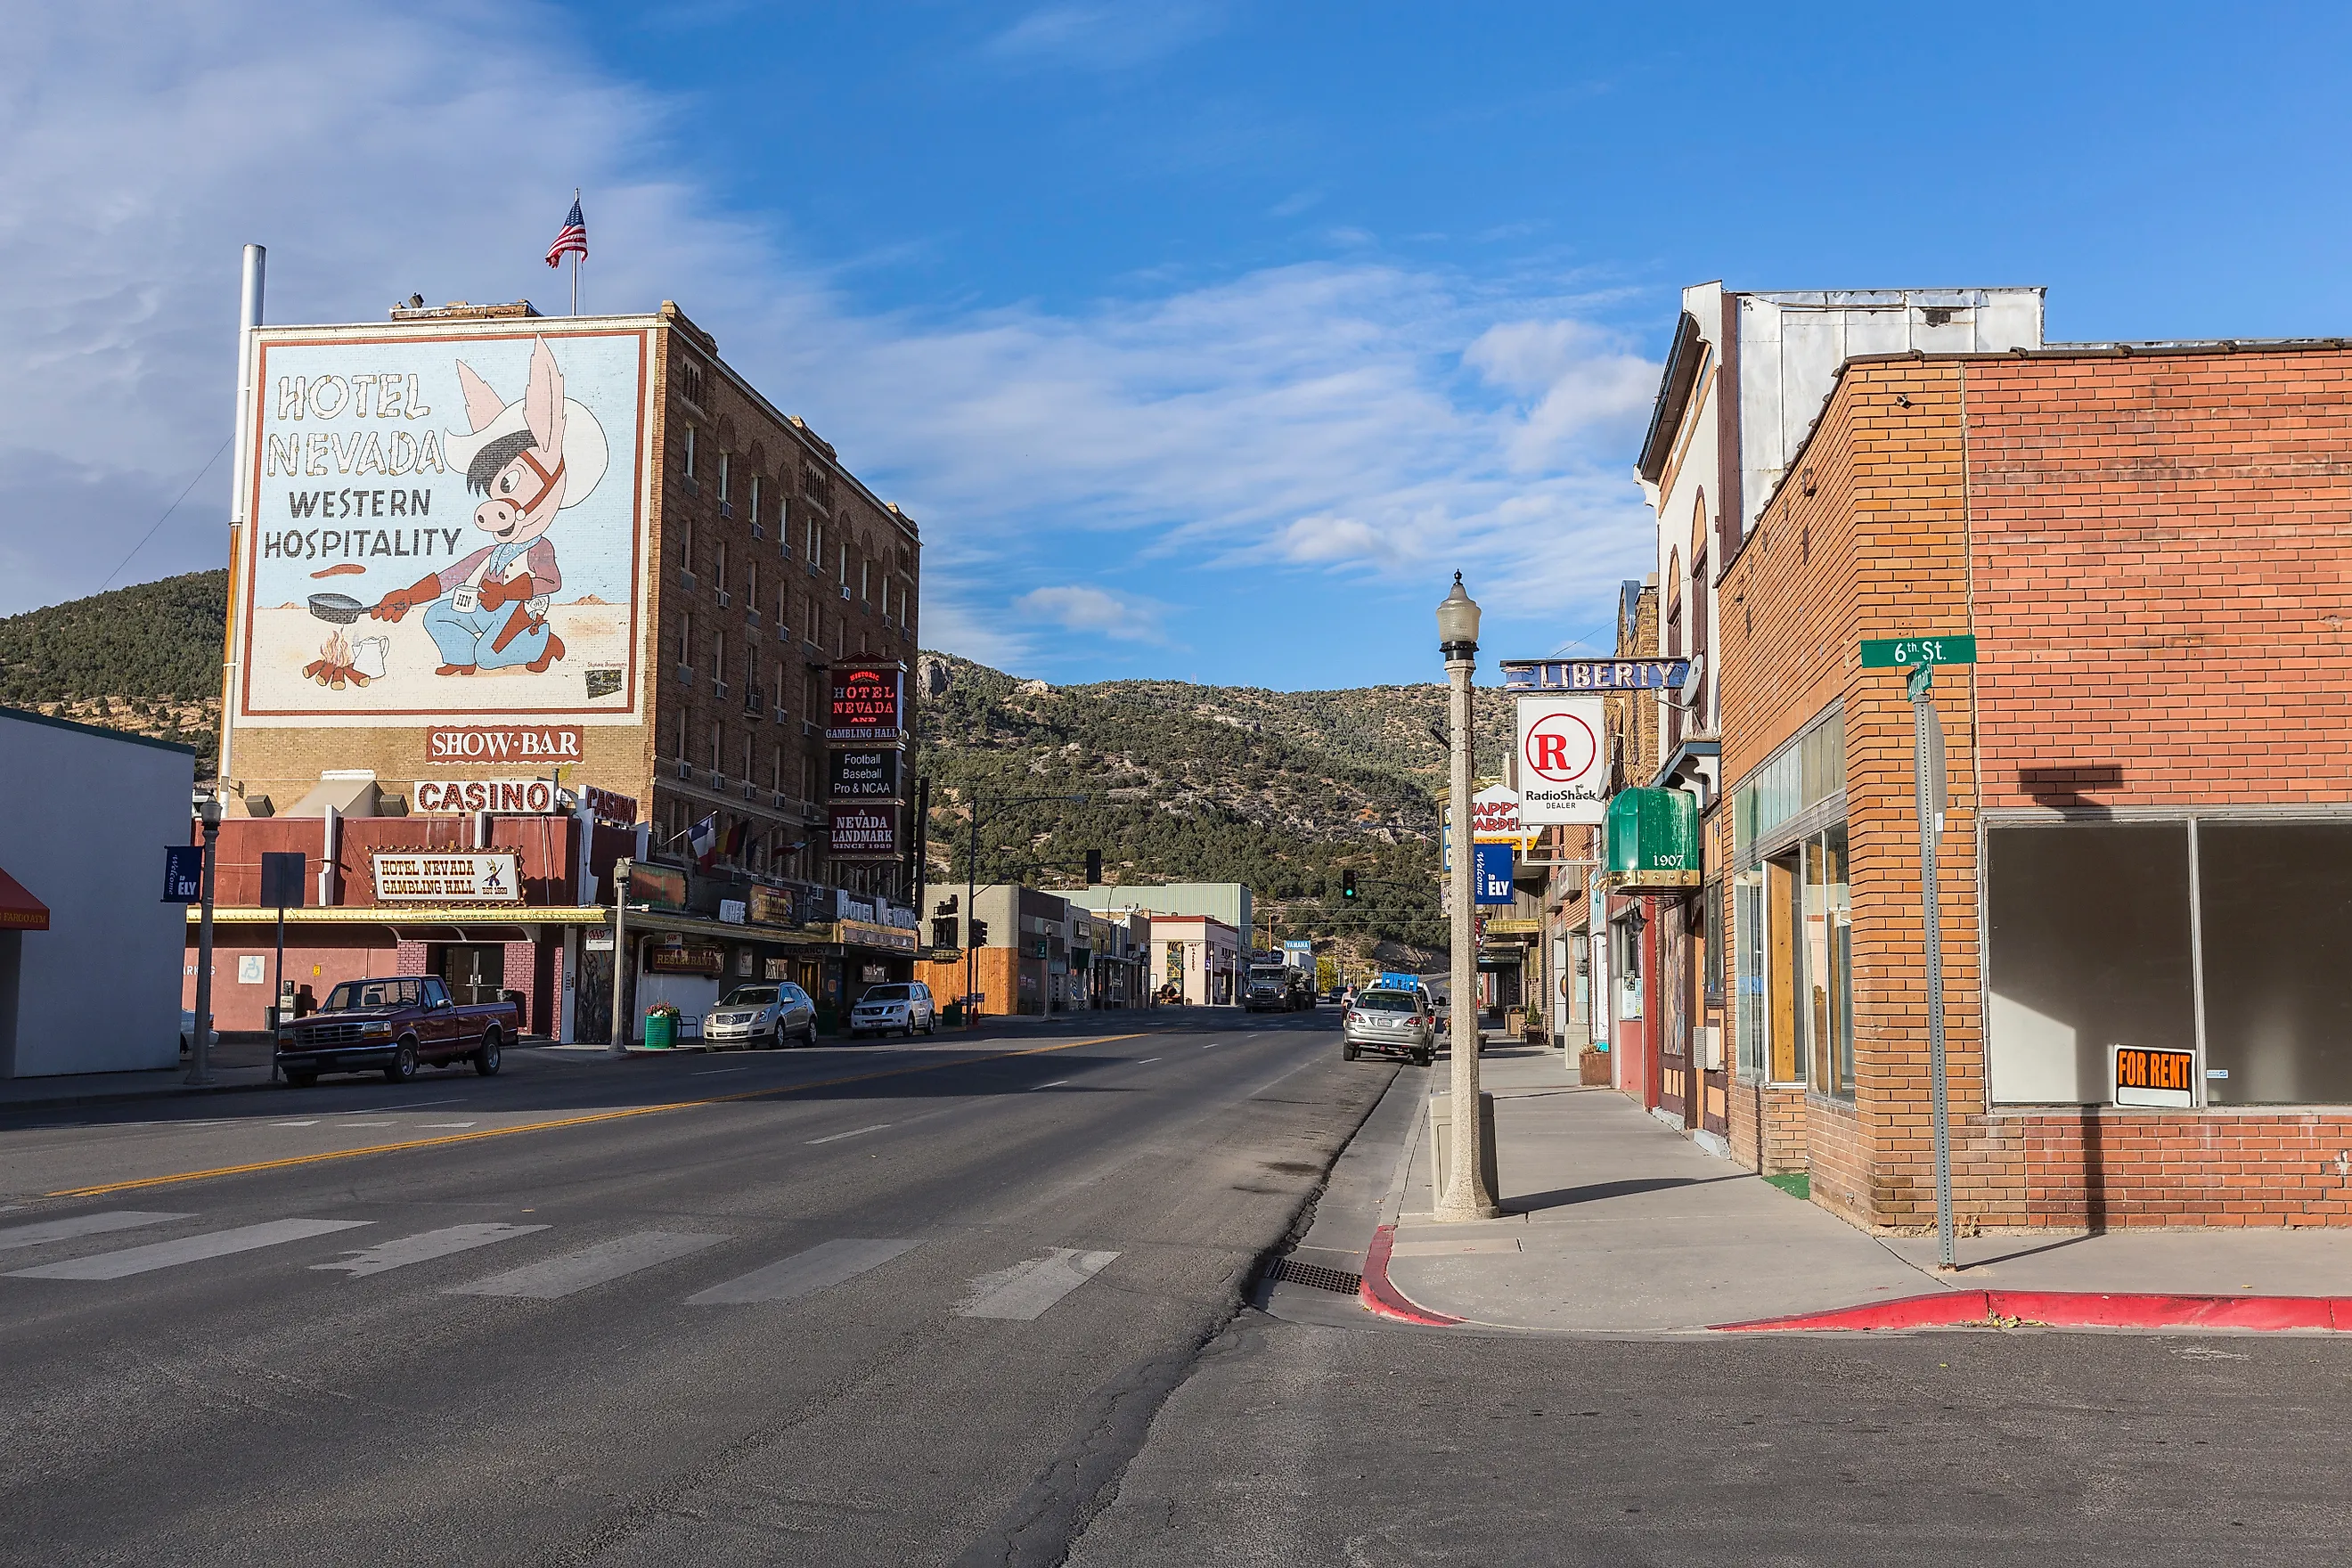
(1928, 766)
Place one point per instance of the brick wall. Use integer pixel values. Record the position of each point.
(2139, 536)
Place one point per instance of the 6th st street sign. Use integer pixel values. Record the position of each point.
(1905, 653)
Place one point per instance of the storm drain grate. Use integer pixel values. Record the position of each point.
(1316, 1277)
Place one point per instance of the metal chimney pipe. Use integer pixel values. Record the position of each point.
(248, 316)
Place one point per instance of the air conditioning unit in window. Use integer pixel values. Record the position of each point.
(718, 779)
(725, 599)
(693, 486)
(686, 580)
(783, 632)
(845, 593)
(686, 675)
(718, 689)
(808, 726)
(685, 769)
(751, 618)
(758, 531)
(782, 718)
(754, 699)
(750, 792)
(726, 508)
(779, 800)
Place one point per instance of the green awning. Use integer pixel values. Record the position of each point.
(1653, 845)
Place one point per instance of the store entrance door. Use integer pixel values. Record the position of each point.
(591, 998)
(474, 972)
(1677, 1094)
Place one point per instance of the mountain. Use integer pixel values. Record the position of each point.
(146, 659)
(1283, 791)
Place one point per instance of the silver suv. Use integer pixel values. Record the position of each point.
(899, 1008)
(767, 1015)
(1392, 1022)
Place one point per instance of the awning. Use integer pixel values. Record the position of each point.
(1653, 841)
(19, 910)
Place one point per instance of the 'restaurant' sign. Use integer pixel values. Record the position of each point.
(866, 703)
(863, 832)
(863, 772)
(457, 745)
(480, 878)
(434, 795)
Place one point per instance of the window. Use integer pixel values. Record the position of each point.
(1625, 937)
(717, 739)
(2276, 919)
(689, 451)
(719, 568)
(689, 380)
(756, 519)
(726, 467)
(751, 585)
(718, 657)
(1747, 973)
(680, 752)
(2087, 944)
(686, 543)
(1799, 776)
(865, 570)
(844, 564)
(1824, 962)
(776, 763)
(686, 639)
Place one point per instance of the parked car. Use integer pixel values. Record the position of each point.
(1391, 1022)
(188, 1032)
(395, 1026)
(766, 1015)
(902, 1006)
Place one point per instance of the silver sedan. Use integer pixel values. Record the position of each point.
(1392, 1022)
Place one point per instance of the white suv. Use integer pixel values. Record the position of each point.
(902, 1006)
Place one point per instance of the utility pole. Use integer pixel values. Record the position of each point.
(200, 1035)
(1464, 1192)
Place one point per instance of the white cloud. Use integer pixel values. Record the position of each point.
(1358, 417)
(1103, 36)
(1080, 608)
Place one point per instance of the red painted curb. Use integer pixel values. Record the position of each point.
(2071, 1310)
(1382, 1299)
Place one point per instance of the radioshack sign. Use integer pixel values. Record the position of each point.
(518, 797)
(1563, 767)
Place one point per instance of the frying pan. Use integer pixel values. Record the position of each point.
(340, 608)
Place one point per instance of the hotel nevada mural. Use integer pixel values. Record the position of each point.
(444, 524)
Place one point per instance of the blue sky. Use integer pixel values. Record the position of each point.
(1203, 341)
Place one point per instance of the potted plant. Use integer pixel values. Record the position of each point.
(661, 1025)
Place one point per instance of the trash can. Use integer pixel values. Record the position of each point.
(952, 1014)
(1441, 1142)
(661, 1031)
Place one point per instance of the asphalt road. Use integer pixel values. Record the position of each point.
(977, 1301)
(877, 1304)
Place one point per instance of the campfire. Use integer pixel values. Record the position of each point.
(333, 667)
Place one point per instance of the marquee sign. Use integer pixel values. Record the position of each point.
(517, 796)
(864, 773)
(868, 704)
(445, 878)
(1595, 674)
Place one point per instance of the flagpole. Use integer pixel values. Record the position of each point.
(575, 262)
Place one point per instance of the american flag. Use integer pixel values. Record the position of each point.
(574, 240)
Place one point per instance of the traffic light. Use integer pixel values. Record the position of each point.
(1347, 884)
(1094, 867)
(980, 933)
(943, 932)
(949, 905)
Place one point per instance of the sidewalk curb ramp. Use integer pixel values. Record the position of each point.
(2050, 1308)
(1383, 1300)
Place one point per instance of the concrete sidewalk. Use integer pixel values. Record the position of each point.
(1617, 1224)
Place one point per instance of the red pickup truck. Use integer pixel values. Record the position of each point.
(395, 1027)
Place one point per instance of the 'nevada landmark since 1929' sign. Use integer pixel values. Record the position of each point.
(863, 832)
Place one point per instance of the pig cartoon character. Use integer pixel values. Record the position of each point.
(529, 459)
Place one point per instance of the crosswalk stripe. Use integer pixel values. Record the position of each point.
(187, 1250)
(424, 1247)
(81, 1225)
(1019, 1293)
(560, 1277)
(821, 1267)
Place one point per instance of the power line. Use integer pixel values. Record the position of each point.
(168, 511)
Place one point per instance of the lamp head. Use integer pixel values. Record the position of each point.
(1457, 623)
(208, 810)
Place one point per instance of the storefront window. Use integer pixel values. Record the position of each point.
(1824, 954)
(1747, 999)
(2277, 919)
(1801, 775)
(2087, 946)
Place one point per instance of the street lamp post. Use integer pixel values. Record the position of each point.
(200, 1034)
(1465, 1195)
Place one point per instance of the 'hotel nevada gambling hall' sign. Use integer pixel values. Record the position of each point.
(1595, 674)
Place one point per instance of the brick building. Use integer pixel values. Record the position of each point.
(2150, 812)
(486, 565)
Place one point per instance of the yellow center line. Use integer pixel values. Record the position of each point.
(571, 1120)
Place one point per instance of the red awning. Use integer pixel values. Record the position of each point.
(19, 910)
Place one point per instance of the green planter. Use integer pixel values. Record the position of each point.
(661, 1031)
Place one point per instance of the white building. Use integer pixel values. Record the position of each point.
(90, 957)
